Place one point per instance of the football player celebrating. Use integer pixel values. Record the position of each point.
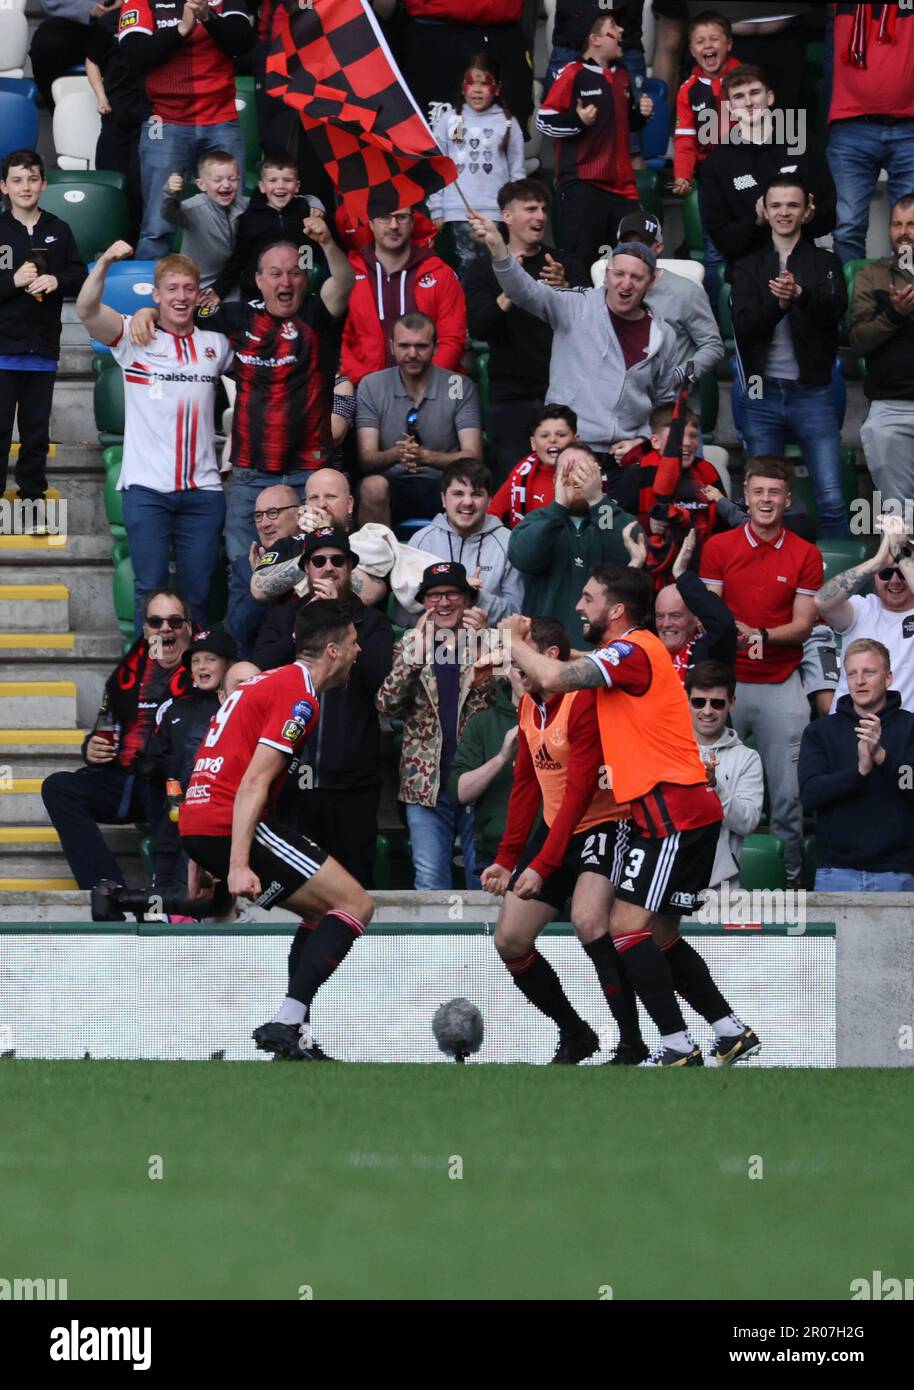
(649, 744)
(559, 762)
(229, 829)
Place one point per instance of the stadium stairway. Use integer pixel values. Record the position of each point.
(58, 640)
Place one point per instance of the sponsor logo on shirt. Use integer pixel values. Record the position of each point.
(682, 900)
(198, 791)
(289, 331)
(49, 239)
(209, 352)
(907, 627)
(615, 652)
(130, 18)
(303, 710)
(428, 282)
(269, 559)
(207, 309)
(292, 730)
(213, 765)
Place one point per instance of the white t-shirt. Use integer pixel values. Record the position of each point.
(893, 630)
(169, 409)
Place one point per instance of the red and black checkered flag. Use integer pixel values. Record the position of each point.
(331, 62)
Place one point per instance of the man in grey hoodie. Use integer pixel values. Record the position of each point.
(465, 532)
(612, 360)
(734, 771)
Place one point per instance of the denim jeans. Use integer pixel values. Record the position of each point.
(713, 263)
(856, 153)
(807, 414)
(191, 522)
(862, 881)
(431, 833)
(169, 149)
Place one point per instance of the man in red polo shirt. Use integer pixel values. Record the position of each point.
(768, 576)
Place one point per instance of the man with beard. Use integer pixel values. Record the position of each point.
(648, 742)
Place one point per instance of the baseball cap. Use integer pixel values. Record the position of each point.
(219, 643)
(640, 224)
(327, 538)
(445, 572)
(638, 250)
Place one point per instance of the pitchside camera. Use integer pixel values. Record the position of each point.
(112, 901)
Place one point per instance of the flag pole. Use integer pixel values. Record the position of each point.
(462, 197)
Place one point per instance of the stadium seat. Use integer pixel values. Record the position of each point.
(689, 270)
(407, 529)
(113, 178)
(382, 862)
(113, 457)
(840, 555)
(246, 107)
(114, 505)
(803, 484)
(655, 136)
(719, 457)
(482, 386)
(18, 114)
(97, 214)
(762, 863)
(108, 404)
(648, 181)
(20, 86)
(73, 82)
(691, 221)
(123, 596)
(14, 45)
(147, 854)
(128, 287)
(76, 129)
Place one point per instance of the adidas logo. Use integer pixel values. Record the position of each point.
(628, 885)
(543, 761)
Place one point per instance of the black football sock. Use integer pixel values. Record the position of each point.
(536, 979)
(651, 979)
(618, 990)
(330, 943)
(299, 944)
(692, 980)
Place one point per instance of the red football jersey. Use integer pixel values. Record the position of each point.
(278, 708)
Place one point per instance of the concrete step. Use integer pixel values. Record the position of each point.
(34, 608)
(83, 563)
(20, 801)
(72, 416)
(37, 704)
(33, 852)
(88, 680)
(32, 648)
(38, 753)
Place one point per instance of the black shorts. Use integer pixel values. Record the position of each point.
(667, 875)
(282, 858)
(594, 851)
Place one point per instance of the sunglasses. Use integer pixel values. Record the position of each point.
(890, 572)
(412, 420)
(173, 620)
(699, 702)
(272, 513)
(337, 561)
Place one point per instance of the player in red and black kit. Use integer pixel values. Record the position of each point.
(576, 855)
(648, 741)
(589, 111)
(228, 826)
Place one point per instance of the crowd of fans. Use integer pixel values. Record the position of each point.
(368, 460)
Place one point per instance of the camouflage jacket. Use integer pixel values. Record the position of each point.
(410, 693)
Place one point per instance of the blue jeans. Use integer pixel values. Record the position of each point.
(558, 59)
(170, 149)
(862, 881)
(713, 263)
(807, 414)
(856, 153)
(191, 522)
(431, 833)
(635, 65)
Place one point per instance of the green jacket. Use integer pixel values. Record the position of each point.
(481, 740)
(556, 557)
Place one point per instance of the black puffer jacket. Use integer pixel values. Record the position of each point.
(813, 317)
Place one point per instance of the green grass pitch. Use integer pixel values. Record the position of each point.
(337, 1178)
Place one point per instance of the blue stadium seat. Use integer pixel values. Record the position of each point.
(655, 136)
(128, 287)
(18, 122)
(21, 86)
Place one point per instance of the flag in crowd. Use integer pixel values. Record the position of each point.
(332, 64)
